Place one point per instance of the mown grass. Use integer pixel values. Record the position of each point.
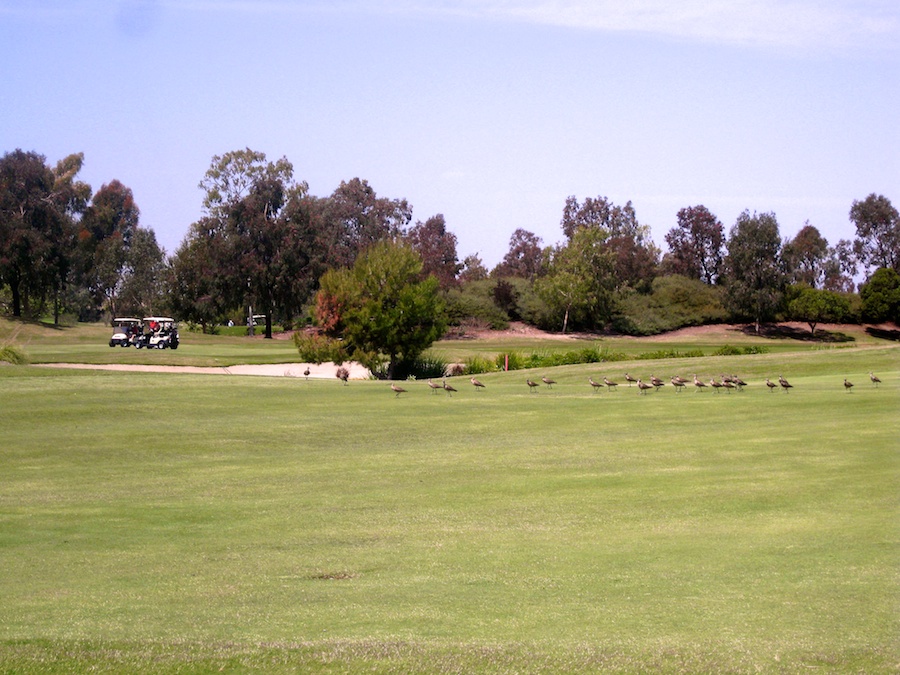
(182, 523)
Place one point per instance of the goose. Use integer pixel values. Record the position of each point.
(643, 387)
(548, 382)
(477, 384)
(848, 385)
(595, 385)
(531, 385)
(448, 388)
(875, 379)
(397, 389)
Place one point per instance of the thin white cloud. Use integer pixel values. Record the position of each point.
(822, 25)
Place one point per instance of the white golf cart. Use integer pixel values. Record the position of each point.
(159, 332)
(125, 331)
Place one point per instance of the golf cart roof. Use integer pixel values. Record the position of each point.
(124, 320)
(159, 319)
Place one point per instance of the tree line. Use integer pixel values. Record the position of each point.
(265, 245)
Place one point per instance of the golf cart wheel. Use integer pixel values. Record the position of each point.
(160, 345)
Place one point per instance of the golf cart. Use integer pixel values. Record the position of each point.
(125, 331)
(159, 332)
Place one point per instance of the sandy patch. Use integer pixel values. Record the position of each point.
(320, 371)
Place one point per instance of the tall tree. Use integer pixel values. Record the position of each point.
(635, 255)
(755, 278)
(143, 274)
(381, 307)
(806, 257)
(436, 245)
(815, 306)
(877, 232)
(473, 269)
(696, 245)
(580, 280)
(36, 234)
(257, 239)
(525, 257)
(354, 217)
(105, 234)
(194, 281)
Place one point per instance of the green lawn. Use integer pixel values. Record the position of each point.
(185, 523)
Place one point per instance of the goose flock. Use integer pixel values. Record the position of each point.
(728, 383)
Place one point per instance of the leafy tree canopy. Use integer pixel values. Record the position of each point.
(381, 307)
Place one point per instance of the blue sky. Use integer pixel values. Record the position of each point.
(491, 112)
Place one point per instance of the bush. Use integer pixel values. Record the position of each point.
(674, 302)
(479, 364)
(473, 305)
(317, 348)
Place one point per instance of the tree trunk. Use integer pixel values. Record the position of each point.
(268, 325)
(566, 320)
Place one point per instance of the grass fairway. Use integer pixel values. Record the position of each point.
(184, 523)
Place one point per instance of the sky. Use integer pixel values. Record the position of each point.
(490, 112)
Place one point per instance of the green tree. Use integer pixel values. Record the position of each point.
(193, 278)
(635, 255)
(806, 257)
(381, 308)
(755, 278)
(877, 224)
(696, 245)
(437, 247)
(815, 306)
(37, 206)
(881, 296)
(259, 225)
(143, 275)
(104, 239)
(580, 280)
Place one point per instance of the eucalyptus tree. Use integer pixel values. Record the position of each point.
(258, 226)
(38, 207)
(696, 245)
(755, 277)
(877, 224)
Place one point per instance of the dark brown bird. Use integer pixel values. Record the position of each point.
(306, 373)
(609, 383)
(643, 387)
(343, 374)
(629, 379)
(847, 385)
(397, 389)
(656, 382)
(548, 382)
(875, 379)
(532, 385)
(784, 383)
(678, 383)
(771, 385)
(728, 385)
(477, 384)
(595, 385)
(715, 384)
(738, 382)
(448, 388)
(699, 383)
(434, 386)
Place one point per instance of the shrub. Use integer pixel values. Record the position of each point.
(317, 348)
(419, 368)
(674, 302)
(478, 364)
